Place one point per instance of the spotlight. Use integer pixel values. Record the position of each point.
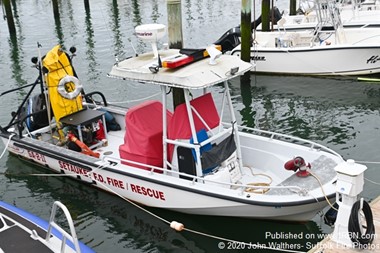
(214, 54)
(154, 68)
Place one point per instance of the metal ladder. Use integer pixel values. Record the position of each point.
(52, 224)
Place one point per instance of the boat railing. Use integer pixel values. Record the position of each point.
(214, 137)
(288, 138)
(193, 179)
(89, 99)
(65, 235)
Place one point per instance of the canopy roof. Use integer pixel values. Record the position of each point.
(199, 74)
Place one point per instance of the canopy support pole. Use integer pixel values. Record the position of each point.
(164, 127)
(193, 132)
(234, 125)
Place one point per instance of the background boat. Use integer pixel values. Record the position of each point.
(361, 14)
(340, 113)
(316, 51)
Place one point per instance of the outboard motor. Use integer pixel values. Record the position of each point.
(35, 113)
(231, 39)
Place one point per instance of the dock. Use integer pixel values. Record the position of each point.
(329, 246)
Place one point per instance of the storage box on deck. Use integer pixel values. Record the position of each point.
(143, 138)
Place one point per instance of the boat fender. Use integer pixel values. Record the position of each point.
(177, 226)
(298, 163)
(85, 149)
(66, 90)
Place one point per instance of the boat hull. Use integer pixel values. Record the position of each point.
(151, 189)
(323, 61)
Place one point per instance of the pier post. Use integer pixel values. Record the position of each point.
(175, 39)
(245, 28)
(265, 10)
(55, 9)
(8, 13)
(87, 5)
(292, 7)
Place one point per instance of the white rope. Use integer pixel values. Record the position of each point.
(323, 191)
(6, 146)
(373, 182)
(367, 162)
(135, 100)
(254, 246)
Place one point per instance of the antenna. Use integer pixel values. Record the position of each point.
(134, 50)
(151, 33)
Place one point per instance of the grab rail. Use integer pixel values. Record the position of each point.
(273, 135)
(52, 224)
(199, 179)
(89, 96)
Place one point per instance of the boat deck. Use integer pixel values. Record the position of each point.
(10, 238)
(319, 167)
(328, 245)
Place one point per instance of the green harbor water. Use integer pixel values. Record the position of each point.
(341, 113)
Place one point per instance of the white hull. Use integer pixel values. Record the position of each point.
(174, 193)
(296, 56)
(339, 60)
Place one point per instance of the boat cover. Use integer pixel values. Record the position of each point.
(58, 64)
(143, 138)
(179, 127)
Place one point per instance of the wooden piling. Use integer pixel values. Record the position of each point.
(87, 5)
(55, 9)
(292, 7)
(265, 9)
(245, 29)
(175, 39)
(175, 24)
(8, 13)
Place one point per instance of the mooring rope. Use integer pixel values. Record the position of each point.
(180, 227)
(323, 191)
(6, 145)
(367, 162)
(135, 100)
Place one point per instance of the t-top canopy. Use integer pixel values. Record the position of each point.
(199, 74)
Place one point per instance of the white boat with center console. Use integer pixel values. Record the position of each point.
(194, 159)
(324, 51)
(354, 14)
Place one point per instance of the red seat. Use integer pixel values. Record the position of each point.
(143, 138)
(179, 127)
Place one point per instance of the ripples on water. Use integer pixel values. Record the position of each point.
(340, 113)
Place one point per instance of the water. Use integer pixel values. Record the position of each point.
(340, 113)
